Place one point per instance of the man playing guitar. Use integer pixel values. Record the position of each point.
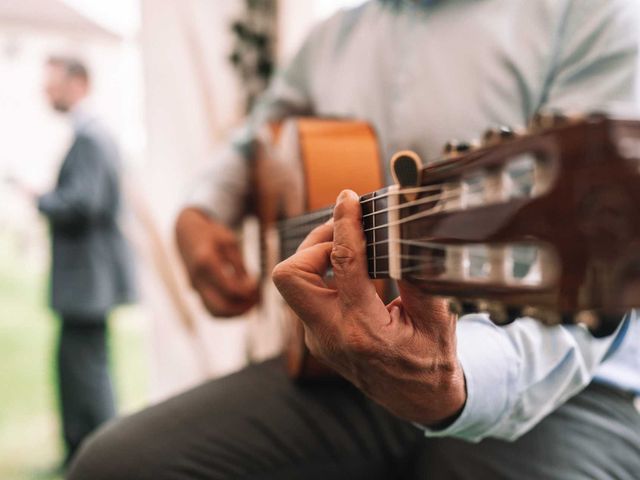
(428, 396)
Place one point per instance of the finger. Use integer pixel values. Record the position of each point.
(219, 305)
(323, 233)
(300, 281)
(305, 266)
(348, 256)
(219, 272)
(234, 257)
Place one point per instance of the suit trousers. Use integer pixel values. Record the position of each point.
(85, 394)
(258, 425)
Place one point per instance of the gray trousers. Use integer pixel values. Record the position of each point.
(84, 387)
(256, 424)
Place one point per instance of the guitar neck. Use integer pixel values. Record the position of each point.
(292, 231)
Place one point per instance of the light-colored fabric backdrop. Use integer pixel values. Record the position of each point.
(193, 101)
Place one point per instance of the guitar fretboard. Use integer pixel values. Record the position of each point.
(374, 205)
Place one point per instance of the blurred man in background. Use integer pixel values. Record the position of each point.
(90, 272)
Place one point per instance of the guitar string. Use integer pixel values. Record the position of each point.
(406, 191)
(410, 218)
(304, 230)
(405, 270)
(327, 212)
(288, 238)
(411, 243)
(308, 217)
(419, 201)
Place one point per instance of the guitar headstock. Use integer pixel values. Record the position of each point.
(543, 222)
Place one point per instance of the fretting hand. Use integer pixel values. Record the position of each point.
(402, 355)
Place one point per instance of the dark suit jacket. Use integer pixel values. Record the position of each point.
(91, 264)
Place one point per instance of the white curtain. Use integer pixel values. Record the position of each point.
(192, 103)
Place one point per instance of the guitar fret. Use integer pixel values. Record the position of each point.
(375, 260)
(374, 213)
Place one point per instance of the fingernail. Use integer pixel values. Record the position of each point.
(347, 194)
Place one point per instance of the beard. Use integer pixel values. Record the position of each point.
(60, 106)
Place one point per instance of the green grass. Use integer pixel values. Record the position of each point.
(29, 433)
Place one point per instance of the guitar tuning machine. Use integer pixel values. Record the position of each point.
(598, 324)
(545, 119)
(497, 311)
(543, 315)
(455, 306)
(462, 307)
(454, 148)
(497, 135)
(586, 318)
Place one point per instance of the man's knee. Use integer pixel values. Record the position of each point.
(108, 454)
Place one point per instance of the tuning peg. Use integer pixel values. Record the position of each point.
(599, 324)
(462, 307)
(548, 119)
(498, 313)
(543, 315)
(455, 306)
(497, 135)
(455, 147)
(514, 312)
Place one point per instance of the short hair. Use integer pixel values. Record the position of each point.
(74, 67)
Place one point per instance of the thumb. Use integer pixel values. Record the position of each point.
(348, 255)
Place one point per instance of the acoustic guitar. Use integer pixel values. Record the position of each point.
(543, 223)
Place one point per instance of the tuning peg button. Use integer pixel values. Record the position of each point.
(455, 306)
(455, 147)
(543, 315)
(548, 119)
(497, 135)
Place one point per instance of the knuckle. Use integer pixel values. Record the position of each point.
(342, 256)
(281, 273)
(200, 255)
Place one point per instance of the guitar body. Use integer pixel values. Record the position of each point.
(301, 166)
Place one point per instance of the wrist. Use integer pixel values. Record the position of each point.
(453, 399)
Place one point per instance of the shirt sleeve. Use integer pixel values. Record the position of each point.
(222, 190)
(517, 375)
